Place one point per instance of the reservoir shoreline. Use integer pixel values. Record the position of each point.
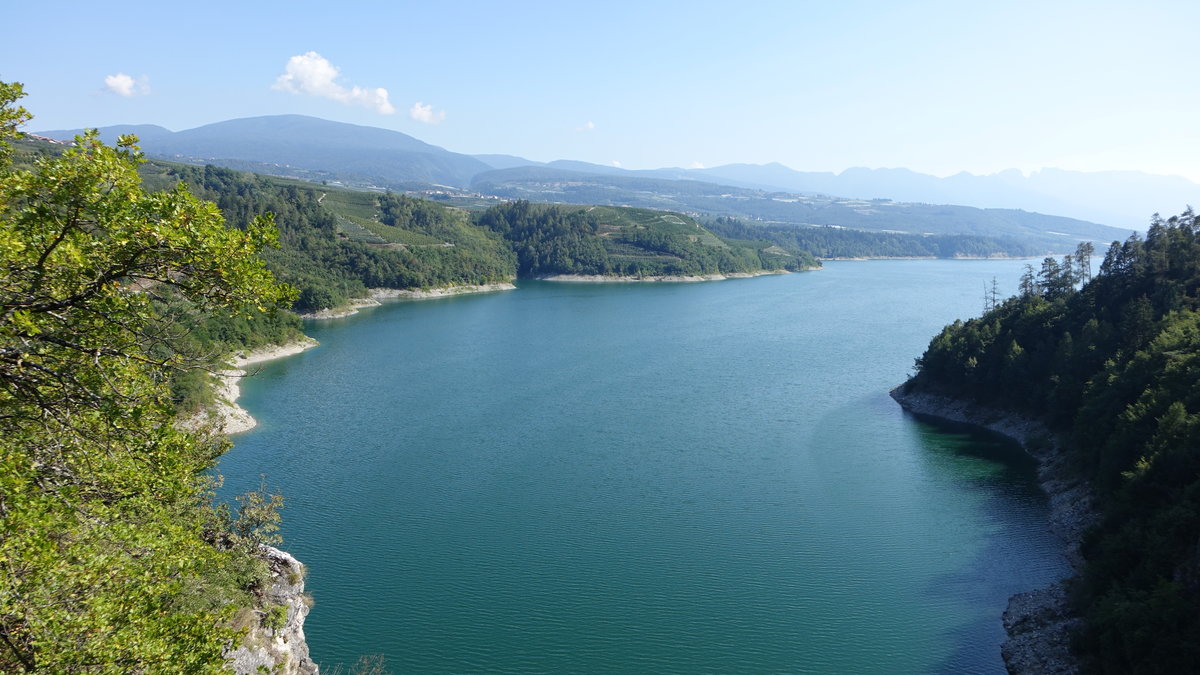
(1039, 623)
(375, 296)
(669, 278)
(416, 465)
(226, 416)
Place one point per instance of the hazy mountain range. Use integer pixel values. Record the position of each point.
(308, 143)
(1124, 199)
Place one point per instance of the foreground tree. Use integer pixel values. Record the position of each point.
(111, 559)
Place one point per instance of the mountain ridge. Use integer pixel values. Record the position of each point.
(1046, 233)
(328, 146)
(1117, 198)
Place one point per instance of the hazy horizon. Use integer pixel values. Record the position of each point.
(936, 87)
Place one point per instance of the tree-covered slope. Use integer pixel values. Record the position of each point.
(554, 239)
(337, 243)
(1115, 365)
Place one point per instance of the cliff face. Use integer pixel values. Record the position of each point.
(1039, 623)
(281, 649)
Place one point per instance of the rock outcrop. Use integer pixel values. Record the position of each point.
(1039, 625)
(276, 644)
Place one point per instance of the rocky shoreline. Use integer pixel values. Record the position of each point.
(282, 649)
(1039, 623)
(674, 278)
(226, 416)
(376, 295)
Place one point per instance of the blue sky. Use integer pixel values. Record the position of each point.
(938, 87)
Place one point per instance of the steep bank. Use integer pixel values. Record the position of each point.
(1039, 623)
(281, 649)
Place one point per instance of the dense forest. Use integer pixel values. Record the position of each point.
(335, 244)
(840, 242)
(434, 245)
(1112, 362)
(554, 239)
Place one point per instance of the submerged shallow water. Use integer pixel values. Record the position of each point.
(648, 478)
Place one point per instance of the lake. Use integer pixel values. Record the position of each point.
(667, 478)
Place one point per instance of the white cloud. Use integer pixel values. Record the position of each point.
(124, 85)
(588, 126)
(696, 165)
(312, 74)
(616, 164)
(424, 113)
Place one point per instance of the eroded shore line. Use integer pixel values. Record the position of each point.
(377, 295)
(1039, 623)
(226, 416)
(676, 278)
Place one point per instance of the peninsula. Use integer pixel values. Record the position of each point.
(1096, 375)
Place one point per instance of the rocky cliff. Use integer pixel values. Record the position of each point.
(276, 642)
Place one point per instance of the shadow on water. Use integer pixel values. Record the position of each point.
(941, 436)
(1021, 555)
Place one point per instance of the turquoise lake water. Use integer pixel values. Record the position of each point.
(648, 478)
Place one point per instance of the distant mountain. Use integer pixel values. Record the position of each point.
(1124, 199)
(110, 134)
(773, 176)
(313, 148)
(505, 161)
(1043, 233)
(308, 143)
(588, 167)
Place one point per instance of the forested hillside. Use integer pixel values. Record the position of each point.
(1044, 234)
(554, 239)
(1115, 366)
(333, 252)
(335, 244)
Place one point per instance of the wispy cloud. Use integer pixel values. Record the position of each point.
(587, 126)
(617, 164)
(696, 165)
(312, 74)
(125, 85)
(424, 113)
